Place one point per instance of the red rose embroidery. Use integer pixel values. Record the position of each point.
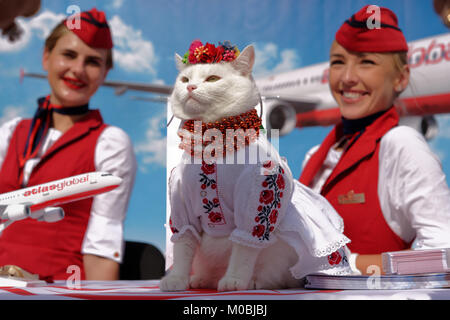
(266, 196)
(258, 230)
(270, 202)
(280, 182)
(210, 203)
(208, 168)
(215, 217)
(268, 164)
(174, 230)
(334, 258)
(273, 216)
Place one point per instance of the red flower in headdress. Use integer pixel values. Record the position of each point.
(209, 53)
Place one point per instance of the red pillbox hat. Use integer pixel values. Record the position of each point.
(91, 27)
(372, 29)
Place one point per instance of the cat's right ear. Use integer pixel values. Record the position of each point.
(179, 62)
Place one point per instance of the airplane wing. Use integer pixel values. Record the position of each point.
(120, 86)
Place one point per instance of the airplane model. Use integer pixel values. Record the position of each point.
(301, 98)
(38, 202)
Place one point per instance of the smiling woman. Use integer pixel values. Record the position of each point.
(364, 83)
(75, 70)
(66, 138)
(380, 177)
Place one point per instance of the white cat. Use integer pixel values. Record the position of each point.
(241, 221)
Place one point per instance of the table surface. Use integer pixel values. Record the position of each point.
(149, 290)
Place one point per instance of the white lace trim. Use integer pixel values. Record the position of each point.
(331, 247)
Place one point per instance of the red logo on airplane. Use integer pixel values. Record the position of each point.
(56, 186)
(435, 53)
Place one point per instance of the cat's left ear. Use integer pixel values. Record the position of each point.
(245, 61)
(179, 62)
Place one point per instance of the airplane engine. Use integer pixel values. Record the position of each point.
(429, 127)
(280, 116)
(50, 214)
(426, 125)
(15, 212)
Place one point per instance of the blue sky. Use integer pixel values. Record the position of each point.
(287, 33)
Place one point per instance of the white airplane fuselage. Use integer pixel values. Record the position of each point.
(61, 191)
(427, 93)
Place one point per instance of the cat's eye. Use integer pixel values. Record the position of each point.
(185, 79)
(212, 78)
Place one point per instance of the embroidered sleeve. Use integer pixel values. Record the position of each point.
(261, 199)
(181, 223)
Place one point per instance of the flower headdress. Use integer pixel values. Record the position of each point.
(209, 53)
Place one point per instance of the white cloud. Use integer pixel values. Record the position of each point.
(117, 4)
(153, 149)
(131, 51)
(44, 23)
(11, 112)
(270, 60)
(39, 26)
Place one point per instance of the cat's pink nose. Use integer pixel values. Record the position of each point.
(191, 87)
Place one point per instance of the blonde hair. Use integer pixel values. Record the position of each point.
(59, 31)
(400, 60)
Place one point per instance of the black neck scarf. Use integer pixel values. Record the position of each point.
(40, 124)
(354, 128)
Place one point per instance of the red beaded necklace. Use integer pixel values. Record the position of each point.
(244, 129)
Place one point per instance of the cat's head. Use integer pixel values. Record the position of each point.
(212, 91)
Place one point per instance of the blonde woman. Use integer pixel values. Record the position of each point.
(381, 178)
(66, 138)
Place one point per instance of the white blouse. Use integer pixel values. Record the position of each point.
(114, 154)
(412, 188)
(255, 202)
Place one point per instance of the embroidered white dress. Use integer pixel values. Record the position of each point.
(252, 198)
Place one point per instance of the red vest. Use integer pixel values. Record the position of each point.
(45, 248)
(352, 187)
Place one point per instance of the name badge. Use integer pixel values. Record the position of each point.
(351, 197)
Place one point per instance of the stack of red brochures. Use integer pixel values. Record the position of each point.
(417, 261)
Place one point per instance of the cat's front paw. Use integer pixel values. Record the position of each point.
(230, 283)
(174, 283)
